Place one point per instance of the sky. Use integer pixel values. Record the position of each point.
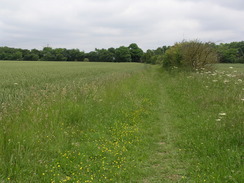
(90, 24)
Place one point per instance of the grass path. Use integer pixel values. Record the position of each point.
(199, 127)
(164, 163)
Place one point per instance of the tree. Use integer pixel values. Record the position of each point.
(92, 56)
(60, 54)
(154, 56)
(111, 50)
(75, 55)
(37, 52)
(105, 55)
(122, 54)
(17, 56)
(231, 52)
(147, 57)
(3, 55)
(31, 57)
(135, 52)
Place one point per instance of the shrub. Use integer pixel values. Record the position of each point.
(190, 55)
(86, 60)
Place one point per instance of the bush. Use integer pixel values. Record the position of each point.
(190, 55)
(86, 60)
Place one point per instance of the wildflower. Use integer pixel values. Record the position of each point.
(226, 81)
(218, 120)
(231, 67)
(215, 80)
(242, 99)
(239, 80)
(15, 83)
(222, 114)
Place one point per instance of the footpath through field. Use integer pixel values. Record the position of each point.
(164, 163)
(119, 122)
(199, 126)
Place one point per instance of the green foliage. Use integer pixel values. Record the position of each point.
(31, 56)
(172, 57)
(190, 55)
(228, 53)
(154, 56)
(132, 53)
(10, 53)
(122, 54)
(58, 54)
(105, 55)
(86, 60)
(231, 52)
(135, 52)
(92, 56)
(17, 55)
(146, 58)
(74, 55)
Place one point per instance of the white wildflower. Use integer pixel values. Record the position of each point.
(215, 80)
(226, 81)
(231, 67)
(218, 120)
(222, 114)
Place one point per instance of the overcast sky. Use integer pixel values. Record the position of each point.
(90, 24)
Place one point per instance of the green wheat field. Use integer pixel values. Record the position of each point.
(120, 122)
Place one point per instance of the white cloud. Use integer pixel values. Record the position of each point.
(89, 24)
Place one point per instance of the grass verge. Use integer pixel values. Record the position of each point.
(208, 107)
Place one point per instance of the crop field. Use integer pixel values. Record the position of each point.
(120, 122)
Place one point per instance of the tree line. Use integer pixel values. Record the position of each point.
(132, 53)
(227, 53)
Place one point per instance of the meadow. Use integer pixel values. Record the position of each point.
(120, 122)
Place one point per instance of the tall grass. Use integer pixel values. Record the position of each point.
(209, 110)
(73, 122)
(105, 122)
